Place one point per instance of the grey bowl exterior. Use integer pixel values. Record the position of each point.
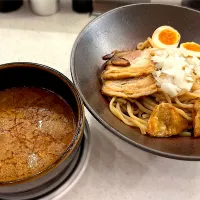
(122, 29)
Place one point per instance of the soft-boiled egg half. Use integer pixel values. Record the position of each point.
(193, 49)
(165, 36)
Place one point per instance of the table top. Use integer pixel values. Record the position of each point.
(116, 170)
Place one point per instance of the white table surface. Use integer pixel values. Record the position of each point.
(116, 170)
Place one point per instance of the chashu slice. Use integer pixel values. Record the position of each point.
(130, 88)
(165, 121)
(196, 118)
(139, 65)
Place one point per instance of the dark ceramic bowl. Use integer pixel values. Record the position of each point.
(122, 29)
(36, 75)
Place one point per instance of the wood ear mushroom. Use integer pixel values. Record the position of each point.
(120, 62)
(108, 56)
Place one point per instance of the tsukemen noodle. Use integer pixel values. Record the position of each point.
(156, 87)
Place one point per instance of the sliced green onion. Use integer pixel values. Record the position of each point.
(185, 134)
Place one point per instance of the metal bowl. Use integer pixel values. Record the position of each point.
(36, 75)
(122, 29)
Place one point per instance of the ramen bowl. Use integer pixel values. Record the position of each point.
(14, 75)
(122, 29)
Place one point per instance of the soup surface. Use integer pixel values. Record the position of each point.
(36, 127)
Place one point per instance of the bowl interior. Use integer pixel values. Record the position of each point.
(35, 75)
(122, 29)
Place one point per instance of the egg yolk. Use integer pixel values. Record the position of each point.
(168, 37)
(192, 47)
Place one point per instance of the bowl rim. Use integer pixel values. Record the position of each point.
(95, 115)
(80, 122)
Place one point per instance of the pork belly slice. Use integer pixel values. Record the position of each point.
(139, 65)
(130, 88)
